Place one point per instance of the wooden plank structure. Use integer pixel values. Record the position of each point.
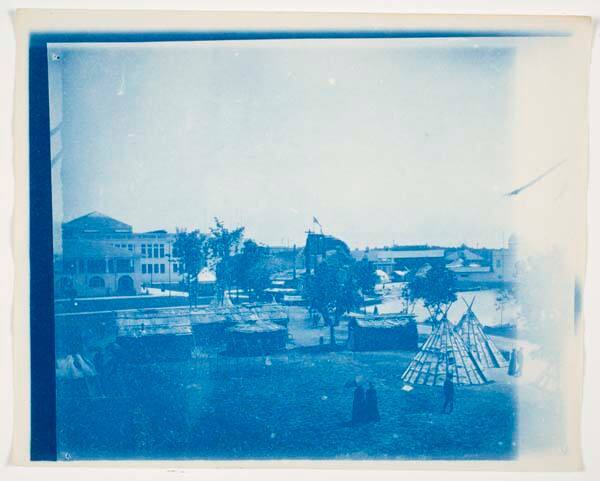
(478, 342)
(170, 334)
(382, 332)
(272, 312)
(155, 335)
(256, 338)
(209, 324)
(444, 353)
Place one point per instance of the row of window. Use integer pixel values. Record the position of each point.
(153, 268)
(153, 250)
(129, 247)
(97, 266)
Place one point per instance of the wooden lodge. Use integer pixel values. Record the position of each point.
(153, 335)
(256, 338)
(382, 332)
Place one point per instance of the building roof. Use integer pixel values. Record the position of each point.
(382, 321)
(256, 327)
(391, 255)
(96, 222)
(469, 269)
(153, 326)
(466, 254)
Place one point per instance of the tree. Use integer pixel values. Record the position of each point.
(223, 244)
(252, 268)
(365, 277)
(437, 288)
(504, 297)
(332, 291)
(189, 249)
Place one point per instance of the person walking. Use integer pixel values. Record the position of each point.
(371, 405)
(448, 395)
(358, 405)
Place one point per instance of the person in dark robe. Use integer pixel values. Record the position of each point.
(519, 362)
(371, 406)
(512, 363)
(448, 395)
(358, 405)
(376, 311)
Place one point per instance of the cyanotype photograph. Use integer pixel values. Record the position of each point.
(360, 242)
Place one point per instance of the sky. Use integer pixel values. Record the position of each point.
(384, 141)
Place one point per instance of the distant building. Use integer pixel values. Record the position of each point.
(502, 267)
(400, 260)
(102, 256)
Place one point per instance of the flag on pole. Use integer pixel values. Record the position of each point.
(316, 221)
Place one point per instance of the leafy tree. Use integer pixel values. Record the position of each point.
(189, 249)
(365, 278)
(223, 244)
(437, 288)
(364, 275)
(253, 268)
(332, 291)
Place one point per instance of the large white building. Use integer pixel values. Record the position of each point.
(102, 256)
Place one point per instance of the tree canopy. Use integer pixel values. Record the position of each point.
(436, 287)
(223, 244)
(189, 249)
(334, 289)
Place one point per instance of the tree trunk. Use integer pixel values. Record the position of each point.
(332, 333)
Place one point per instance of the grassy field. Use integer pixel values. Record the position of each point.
(289, 406)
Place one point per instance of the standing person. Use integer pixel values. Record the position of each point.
(371, 405)
(376, 311)
(519, 361)
(358, 405)
(448, 394)
(512, 364)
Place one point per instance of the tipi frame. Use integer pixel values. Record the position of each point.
(444, 355)
(477, 341)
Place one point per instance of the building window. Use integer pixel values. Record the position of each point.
(175, 267)
(130, 247)
(161, 250)
(162, 268)
(111, 265)
(143, 250)
(96, 266)
(156, 268)
(150, 250)
(96, 282)
(155, 250)
(143, 268)
(124, 265)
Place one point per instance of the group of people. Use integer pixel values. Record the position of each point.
(364, 406)
(515, 364)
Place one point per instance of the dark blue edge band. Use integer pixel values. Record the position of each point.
(43, 446)
(41, 307)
